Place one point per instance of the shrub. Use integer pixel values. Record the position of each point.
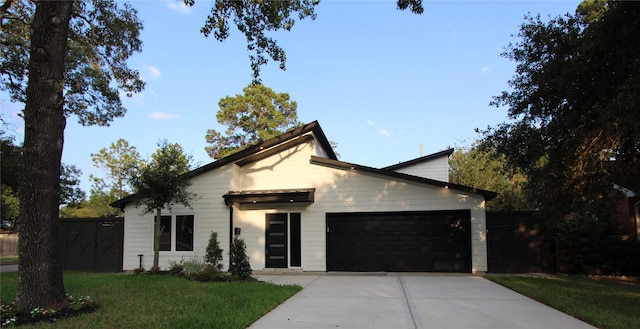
(191, 267)
(211, 273)
(587, 245)
(213, 254)
(239, 265)
(176, 268)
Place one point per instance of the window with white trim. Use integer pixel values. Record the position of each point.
(177, 233)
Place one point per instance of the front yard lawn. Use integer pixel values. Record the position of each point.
(162, 301)
(603, 304)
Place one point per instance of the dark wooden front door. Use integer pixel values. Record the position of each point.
(276, 241)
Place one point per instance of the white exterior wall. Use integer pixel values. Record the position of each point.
(437, 169)
(210, 213)
(342, 191)
(336, 191)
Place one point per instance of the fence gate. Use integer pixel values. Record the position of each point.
(91, 244)
(516, 243)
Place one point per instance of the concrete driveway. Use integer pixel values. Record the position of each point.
(406, 301)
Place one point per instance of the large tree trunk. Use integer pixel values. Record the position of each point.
(40, 281)
(157, 232)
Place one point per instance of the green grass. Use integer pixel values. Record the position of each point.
(163, 301)
(602, 304)
(9, 259)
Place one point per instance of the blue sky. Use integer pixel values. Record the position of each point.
(379, 81)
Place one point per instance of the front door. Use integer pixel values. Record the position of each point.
(276, 241)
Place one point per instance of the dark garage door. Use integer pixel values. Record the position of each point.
(435, 241)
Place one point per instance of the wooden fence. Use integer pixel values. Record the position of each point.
(8, 244)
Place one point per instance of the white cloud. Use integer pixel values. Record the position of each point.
(162, 116)
(382, 131)
(152, 72)
(485, 69)
(178, 6)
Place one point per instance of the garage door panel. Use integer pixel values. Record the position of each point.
(405, 241)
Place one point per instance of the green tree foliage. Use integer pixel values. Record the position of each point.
(592, 10)
(70, 192)
(97, 206)
(120, 161)
(102, 36)
(481, 168)
(10, 173)
(256, 19)
(213, 254)
(257, 115)
(239, 265)
(161, 184)
(574, 110)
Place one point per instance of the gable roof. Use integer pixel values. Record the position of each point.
(256, 152)
(419, 160)
(488, 195)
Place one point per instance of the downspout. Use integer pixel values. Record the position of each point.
(230, 229)
(636, 207)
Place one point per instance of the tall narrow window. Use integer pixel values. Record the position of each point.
(165, 236)
(295, 238)
(184, 233)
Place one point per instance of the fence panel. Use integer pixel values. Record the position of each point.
(91, 244)
(8, 244)
(516, 243)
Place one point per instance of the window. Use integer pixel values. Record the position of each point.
(184, 233)
(177, 233)
(165, 236)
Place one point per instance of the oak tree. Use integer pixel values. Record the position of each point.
(60, 58)
(574, 110)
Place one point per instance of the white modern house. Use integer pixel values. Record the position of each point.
(299, 208)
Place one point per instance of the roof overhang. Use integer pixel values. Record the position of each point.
(270, 196)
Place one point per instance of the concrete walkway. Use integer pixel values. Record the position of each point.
(407, 301)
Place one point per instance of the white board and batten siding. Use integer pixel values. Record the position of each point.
(210, 213)
(437, 169)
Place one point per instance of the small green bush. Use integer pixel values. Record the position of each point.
(211, 273)
(239, 261)
(213, 254)
(191, 267)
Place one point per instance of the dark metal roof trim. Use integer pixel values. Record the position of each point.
(419, 160)
(270, 196)
(488, 195)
